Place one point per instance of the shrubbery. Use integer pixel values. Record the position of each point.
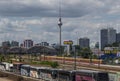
(54, 64)
(48, 63)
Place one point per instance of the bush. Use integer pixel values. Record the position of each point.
(47, 63)
(54, 64)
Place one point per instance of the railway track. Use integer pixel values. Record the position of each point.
(102, 67)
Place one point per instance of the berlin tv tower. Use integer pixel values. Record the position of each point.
(60, 24)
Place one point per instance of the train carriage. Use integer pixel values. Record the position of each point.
(2, 67)
(8, 66)
(34, 72)
(25, 70)
(113, 77)
(118, 76)
(90, 75)
(54, 75)
(46, 74)
(16, 67)
(65, 75)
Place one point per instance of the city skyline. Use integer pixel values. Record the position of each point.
(37, 20)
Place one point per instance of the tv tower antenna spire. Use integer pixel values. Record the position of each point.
(60, 23)
(60, 11)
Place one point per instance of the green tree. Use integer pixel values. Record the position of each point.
(86, 53)
(54, 64)
(115, 44)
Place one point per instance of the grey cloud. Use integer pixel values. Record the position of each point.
(19, 8)
(7, 25)
(49, 8)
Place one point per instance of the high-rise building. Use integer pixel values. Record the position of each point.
(14, 43)
(108, 36)
(84, 42)
(28, 43)
(104, 38)
(43, 44)
(6, 44)
(118, 37)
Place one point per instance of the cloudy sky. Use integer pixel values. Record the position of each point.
(37, 19)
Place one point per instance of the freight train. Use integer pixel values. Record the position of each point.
(51, 74)
(71, 59)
